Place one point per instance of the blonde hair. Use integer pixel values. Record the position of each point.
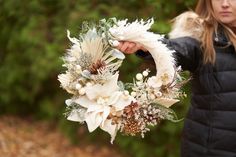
(211, 24)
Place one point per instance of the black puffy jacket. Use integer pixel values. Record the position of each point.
(210, 125)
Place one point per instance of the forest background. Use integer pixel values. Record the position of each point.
(33, 40)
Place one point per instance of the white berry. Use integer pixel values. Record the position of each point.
(78, 86)
(115, 43)
(89, 84)
(133, 94)
(152, 96)
(145, 73)
(126, 92)
(139, 76)
(82, 91)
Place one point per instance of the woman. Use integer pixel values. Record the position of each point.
(210, 125)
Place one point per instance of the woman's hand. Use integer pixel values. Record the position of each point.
(129, 47)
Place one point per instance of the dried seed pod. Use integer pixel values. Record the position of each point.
(131, 127)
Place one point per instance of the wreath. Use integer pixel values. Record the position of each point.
(99, 98)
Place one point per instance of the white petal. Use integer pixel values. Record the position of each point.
(95, 108)
(154, 82)
(111, 86)
(105, 90)
(123, 102)
(114, 98)
(77, 116)
(84, 101)
(93, 120)
(106, 112)
(111, 129)
(94, 91)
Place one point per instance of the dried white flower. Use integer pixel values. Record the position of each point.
(99, 99)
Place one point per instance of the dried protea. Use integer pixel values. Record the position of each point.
(96, 66)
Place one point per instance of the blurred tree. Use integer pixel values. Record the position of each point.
(32, 40)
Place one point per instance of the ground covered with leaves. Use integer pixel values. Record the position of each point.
(27, 138)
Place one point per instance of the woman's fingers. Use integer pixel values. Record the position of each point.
(126, 46)
(133, 48)
(120, 45)
(129, 47)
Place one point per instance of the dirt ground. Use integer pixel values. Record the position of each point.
(27, 138)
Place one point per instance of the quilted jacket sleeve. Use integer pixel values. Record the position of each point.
(188, 53)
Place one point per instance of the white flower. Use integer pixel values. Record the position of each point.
(66, 80)
(154, 82)
(99, 100)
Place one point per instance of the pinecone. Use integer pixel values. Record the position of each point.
(131, 124)
(95, 66)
